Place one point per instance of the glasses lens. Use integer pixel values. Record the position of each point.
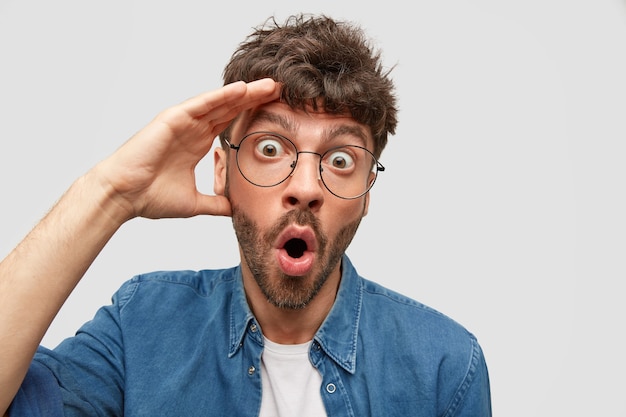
(348, 171)
(266, 159)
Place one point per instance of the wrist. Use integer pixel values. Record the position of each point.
(108, 205)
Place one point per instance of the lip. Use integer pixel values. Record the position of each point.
(303, 264)
(303, 233)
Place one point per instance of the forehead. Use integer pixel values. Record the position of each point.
(298, 124)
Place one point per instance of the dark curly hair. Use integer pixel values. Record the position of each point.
(323, 63)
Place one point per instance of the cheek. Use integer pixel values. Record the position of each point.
(337, 216)
(256, 202)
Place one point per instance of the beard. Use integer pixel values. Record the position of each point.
(282, 290)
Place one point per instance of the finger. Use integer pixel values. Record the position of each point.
(225, 114)
(216, 205)
(254, 96)
(221, 118)
(235, 95)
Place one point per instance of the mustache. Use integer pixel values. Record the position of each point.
(299, 217)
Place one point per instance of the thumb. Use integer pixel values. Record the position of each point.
(215, 205)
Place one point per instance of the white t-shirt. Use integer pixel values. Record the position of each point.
(291, 384)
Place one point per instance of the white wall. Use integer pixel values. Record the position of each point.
(502, 205)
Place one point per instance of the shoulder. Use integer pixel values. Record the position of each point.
(182, 283)
(428, 343)
(397, 315)
(400, 304)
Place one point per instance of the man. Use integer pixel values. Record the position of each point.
(293, 330)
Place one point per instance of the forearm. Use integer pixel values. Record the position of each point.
(152, 175)
(39, 274)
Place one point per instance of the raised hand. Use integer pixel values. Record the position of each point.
(152, 174)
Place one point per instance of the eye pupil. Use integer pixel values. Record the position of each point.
(269, 150)
(339, 162)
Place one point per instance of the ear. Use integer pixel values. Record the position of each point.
(219, 171)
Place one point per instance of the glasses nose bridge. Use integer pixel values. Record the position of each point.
(319, 163)
(318, 168)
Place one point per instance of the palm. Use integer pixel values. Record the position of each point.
(154, 172)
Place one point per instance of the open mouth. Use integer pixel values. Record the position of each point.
(296, 250)
(295, 247)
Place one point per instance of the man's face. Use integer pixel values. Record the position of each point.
(292, 235)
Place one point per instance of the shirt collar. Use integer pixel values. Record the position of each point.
(240, 313)
(337, 335)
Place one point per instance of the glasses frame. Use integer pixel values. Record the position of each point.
(377, 164)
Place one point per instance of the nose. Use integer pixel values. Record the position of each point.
(305, 189)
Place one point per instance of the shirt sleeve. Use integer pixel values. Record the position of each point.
(39, 395)
(84, 375)
(473, 396)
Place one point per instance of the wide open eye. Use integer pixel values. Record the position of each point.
(270, 147)
(339, 160)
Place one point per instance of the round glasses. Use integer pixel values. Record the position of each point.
(266, 159)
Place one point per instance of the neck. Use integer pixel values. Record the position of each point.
(291, 326)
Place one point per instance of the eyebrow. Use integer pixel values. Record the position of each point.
(272, 118)
(289, 125)
(346, 130)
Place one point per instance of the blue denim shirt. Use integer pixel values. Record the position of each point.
(185, 343)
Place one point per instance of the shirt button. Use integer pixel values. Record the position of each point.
(253, 328)
(330, 388)
(251, 370)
